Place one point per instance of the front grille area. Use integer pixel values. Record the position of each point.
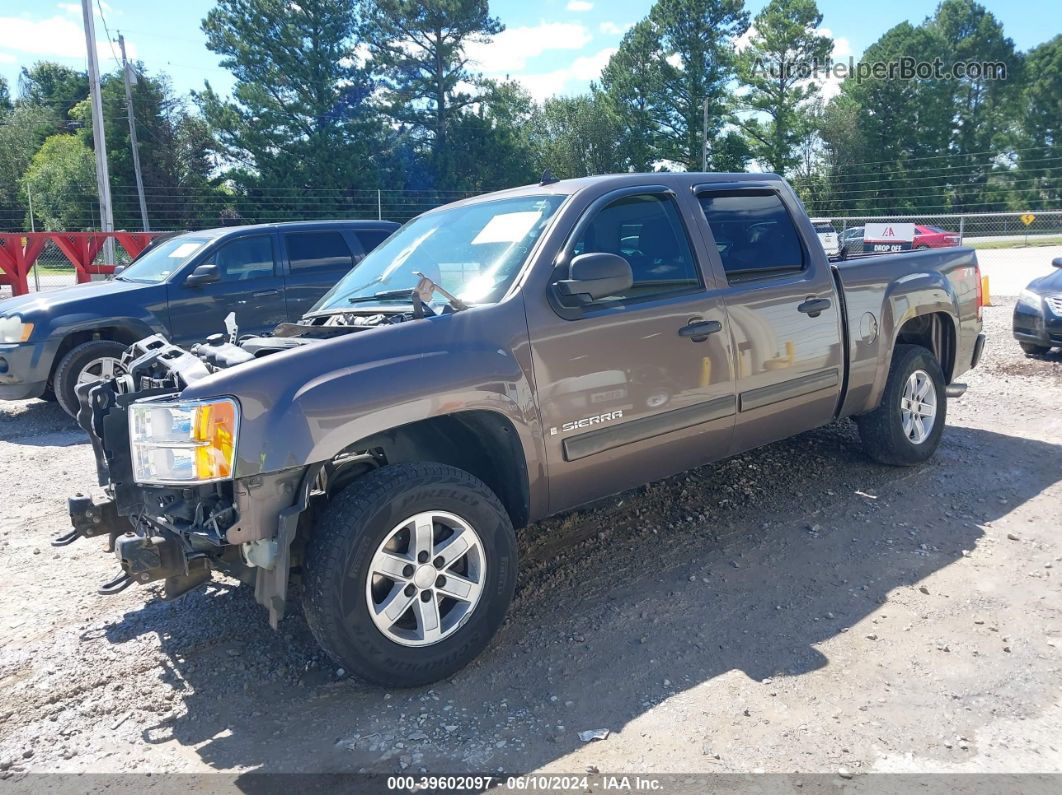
(1054, 303)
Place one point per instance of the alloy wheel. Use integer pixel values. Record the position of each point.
(425, 578)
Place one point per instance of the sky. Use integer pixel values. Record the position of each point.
(551, 46)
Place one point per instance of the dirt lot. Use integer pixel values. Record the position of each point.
(795, 609)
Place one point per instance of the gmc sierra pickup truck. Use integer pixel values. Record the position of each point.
(496, 361)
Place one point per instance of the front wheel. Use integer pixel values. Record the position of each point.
(906, 426)
(409, 573)
(91, 361)
(1033, 349)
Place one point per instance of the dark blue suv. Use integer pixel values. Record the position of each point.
(183, 287)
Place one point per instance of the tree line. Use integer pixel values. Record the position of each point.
(336, 98)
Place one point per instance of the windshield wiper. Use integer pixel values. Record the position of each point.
(384, 296)
(419, 296)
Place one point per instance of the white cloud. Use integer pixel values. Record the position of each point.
(510, 50)
(579, 5)
(584, 68)
(612, 29)
(830, 86)
(56, 37)
(742, 42)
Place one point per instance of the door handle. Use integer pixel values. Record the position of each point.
(266, 293)
(813, 307)
(698, 330)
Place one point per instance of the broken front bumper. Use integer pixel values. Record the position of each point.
(180, 534)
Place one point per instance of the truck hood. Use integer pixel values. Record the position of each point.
(79, 298)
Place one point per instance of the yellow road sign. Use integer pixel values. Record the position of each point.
(1027, 218)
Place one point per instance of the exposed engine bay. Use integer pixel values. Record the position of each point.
(154, 363)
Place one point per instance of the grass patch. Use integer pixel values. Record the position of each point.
(1033, 243)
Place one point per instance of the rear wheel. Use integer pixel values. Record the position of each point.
(91, 361)
(905, 428)
(409, 573)
(1033, 349)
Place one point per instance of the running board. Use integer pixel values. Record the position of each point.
(955, 390)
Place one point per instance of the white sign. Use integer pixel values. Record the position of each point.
(507, 228)
(888, 233)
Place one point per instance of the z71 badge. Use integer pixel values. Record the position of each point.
(586, 422)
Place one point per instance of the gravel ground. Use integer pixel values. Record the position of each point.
(797, 608)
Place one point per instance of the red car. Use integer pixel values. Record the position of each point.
(934, 237)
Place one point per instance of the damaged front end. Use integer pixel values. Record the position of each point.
(172, 508)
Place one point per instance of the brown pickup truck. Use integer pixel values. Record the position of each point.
(493, 362)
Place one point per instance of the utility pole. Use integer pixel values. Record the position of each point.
(103, 180)
(704, 137)
(126, 69)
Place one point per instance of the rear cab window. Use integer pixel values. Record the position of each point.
(313, 251)
(754, 233)
(371, 238)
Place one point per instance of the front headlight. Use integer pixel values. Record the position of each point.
(1029, 298)
(183, 442)
(12, 329)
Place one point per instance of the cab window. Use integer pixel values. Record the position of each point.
(245, 259)
(648, 232)
(754, 233)
(312, 251)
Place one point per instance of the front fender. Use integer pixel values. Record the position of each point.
(131, 327)
(304, 406)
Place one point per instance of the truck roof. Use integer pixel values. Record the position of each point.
(682, 180)
(220, 231)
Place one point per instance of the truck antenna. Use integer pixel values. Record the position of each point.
(548, 178)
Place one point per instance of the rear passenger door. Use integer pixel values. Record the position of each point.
(316, 261)
(782, 307)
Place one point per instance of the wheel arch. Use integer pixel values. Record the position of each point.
(920, 310)
(123, 330)
(482, 442)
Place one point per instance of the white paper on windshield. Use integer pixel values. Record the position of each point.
(184, 250)
(507, 228)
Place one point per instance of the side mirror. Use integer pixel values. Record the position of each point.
(204, 274)
(1057, 262)
(592, 277)
(118, 269)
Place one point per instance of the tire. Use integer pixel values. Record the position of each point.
(340, 590)
(882, 430)
(74, 363)
(1033, 349)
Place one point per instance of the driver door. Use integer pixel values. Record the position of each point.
(627, 391)
(249, 285)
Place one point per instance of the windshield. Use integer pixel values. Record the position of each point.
(474, 252)
(157, 264)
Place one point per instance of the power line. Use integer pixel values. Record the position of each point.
(103, 19)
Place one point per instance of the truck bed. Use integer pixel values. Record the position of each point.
(882, 293)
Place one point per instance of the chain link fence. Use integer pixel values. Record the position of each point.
(1000, 238)
(1012, 248)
